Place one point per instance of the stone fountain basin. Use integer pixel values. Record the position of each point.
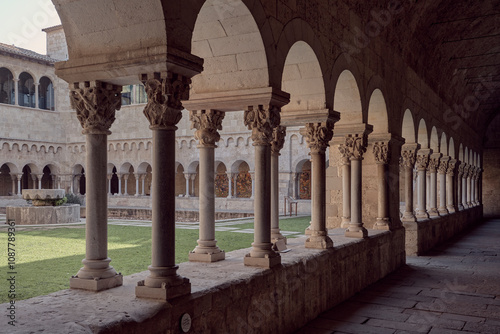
(43, 197)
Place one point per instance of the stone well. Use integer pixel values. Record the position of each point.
(43, 209)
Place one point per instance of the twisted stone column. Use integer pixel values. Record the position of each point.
(432, 168)
(262, 123)
(279, 134)
(382, 158)
(206, 123)
(346, 185)
(442, 168)
(357, 146)
(421, 163)
(460, 183)
(408, 155)
(450, 195)
(164, 111)
(95, 103)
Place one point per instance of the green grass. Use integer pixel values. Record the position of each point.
(46, 259)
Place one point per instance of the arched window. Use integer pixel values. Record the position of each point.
(26, 90)
(46, 94)
(7, 88)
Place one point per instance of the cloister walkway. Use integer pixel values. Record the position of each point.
(455, 288)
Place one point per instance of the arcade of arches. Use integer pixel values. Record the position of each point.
(395, 101)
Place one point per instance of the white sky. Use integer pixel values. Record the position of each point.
(22, 21)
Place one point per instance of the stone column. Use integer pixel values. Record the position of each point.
(193, 177)
(39, 177)
(187, 176)
(442, 168)
(143, 179)
(14, 179)
(19, 177)
(408, 158)
(279, 134)
(53, 178)
(109, 176)
(422, 163)
(125, 177)
(137, 175)
(262, 123)
(470, 173)
(461, 167)
(346, 185)
(207, 123)
(230, 183)
(33, 179)
(450, 196)
(432, 168)
(119, 184)
(37, 87)
(318, 135)
(164, 111)
(95, 103)
(296, 179)
(476, 188)
(252, 177)
(357, 146)
(464, 186)
(382, 158)
(16, 91)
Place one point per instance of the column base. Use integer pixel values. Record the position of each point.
(357, 233)
(308, 229)
(277, 236)
(451, 209)
(164, 292)
(319, 242)
(217, 255)
(262, 262)
(96, 284)
(345, 222)
(433, 212)
(408, 218)
(443, 211)
(422, 215)
(382, 224)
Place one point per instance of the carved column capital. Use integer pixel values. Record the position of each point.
(433, 164)
(422, 160)
(262, 123)
(318, 135)
(381, 153)
(450, 170)
(165, 95)
(408, 154)
(344, 155)
(443, 165)
(461, 166)
(206, 123)
(466, 170)
(279, 134)
(95, 103)
(356, 144)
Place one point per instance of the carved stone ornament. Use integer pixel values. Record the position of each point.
(206, 123)
(466, 170)
(357, 145)
(279, 134)
(165, 96)
(433, 164)
(95, 103)
(478, 173)
(262, 123)
(443, 166)
(344, 154)
(318, 135)
(381, 152)
(409, 157)
(422, 161)
(461, 169)
(450, 170)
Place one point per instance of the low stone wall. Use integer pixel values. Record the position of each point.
(228, 297)
(425, 234)
(180, 215)
(39, 215)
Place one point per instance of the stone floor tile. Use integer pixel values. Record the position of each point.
(348, 327)
(462, 317)
(482, 327)
(429, 318)
(420, 328)
(310, 330)
(401, 303)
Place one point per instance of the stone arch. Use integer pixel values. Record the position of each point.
(423, 134)
(434, 143)
(451, 148)
(192, 143)
(242, 179)
(46, 98)
(443, 146)
(347, 99)
(7, 86)
(377, 112)
(230, 141)
(8, 179)
(26, 90)
(227, 37)
(221, 179)
(466, 154)
(180, 180)
(48, 171)
(240, 142)
(408, 127)
(461, 153)
(303, 179)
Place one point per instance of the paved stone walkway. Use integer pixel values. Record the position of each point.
(455, 288)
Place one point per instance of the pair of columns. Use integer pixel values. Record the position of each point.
(468, 186)
(189, 185)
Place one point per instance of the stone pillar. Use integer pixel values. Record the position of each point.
(14, 179)
(16, 91)
(207, 123)
(432, 168)
(476, 187)
(408, 154)
(37, 86)
(19, 177)
(461, 167)
(53, 177)
(296, 179)
(125, 177)
(187, 177)
(230, 183)
(442, 168)
(346, 185)
(357, 146)
(33, 179)
(422, 163)
(470, 173)
(450, 195)
(464, 186)
(279, 134)
(109, 176)
(95, 103)
(119, 184)
(382, 158)
(262, 123)
(143, 179)
(164, 111)
(39, 177)
(193, 177)
(137, 175)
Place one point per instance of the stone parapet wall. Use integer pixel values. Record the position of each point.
(426, 234)
(41, 215)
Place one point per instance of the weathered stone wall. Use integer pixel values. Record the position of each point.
(491, 182)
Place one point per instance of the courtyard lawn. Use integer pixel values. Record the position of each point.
(46, 258)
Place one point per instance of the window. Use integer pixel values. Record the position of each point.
(7, 88)
(46, 94)
(26, 90)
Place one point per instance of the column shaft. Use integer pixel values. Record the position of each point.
(230, 183)
(356, 228)
(433, 194)
(383, 198)
(275, 201)
(346, 194)
(442, 194)
(421, 195)
(464, 192)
